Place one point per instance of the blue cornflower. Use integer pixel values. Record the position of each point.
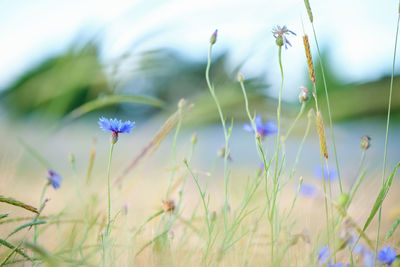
(269, 128)
(336, 265)
(54, 179)
(279, 34)
(308, 190)
(323, 255)
(387, 255)
(115, 126)
(331, 173)
(367, 257)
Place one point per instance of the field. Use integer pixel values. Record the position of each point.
(292, 189)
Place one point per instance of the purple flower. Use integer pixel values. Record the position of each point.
(308, 190)
(269, 128)
(331, 174)
(323, 255)
(280, 35)
(387, 255)
(115, 126)
(367, 256)
(336, 265)
(54, 179)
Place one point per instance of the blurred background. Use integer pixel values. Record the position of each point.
(58, 56)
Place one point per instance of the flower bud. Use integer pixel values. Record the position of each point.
(114, 137)
(71, 157)
(221, 152)
(168, 205)
(304, 95)
(310, 113)
(194, 138)
(365, 142)
(342, 200)
(240, 77)
(213, 38)
(212, 216)
(181, 103)
(279, 41)
(124, 209)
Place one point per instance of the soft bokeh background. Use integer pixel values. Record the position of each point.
(58, 55)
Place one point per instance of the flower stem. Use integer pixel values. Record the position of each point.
(226, 135)
(328, 107)
(35, 229)
(387, 130)
(109, 190)
(275, 180)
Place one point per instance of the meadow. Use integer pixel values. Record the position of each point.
(110, 192)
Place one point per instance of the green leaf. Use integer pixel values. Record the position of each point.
(393, 228)
(29, 224)
(17, 203)
(2, 216)
(44, 254)
(111, 100)
(17, 250)
(381, 197)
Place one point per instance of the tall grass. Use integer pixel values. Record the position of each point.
(255, 220)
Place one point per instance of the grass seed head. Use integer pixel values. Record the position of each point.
(321, 134)
(309, 58)
(308, 7)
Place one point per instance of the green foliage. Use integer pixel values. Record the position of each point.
(381, 197)
(18, 203)
(393, 228)
(112, 100)
(14, 248)
(59, 84)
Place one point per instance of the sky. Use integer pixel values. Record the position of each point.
(359, 33)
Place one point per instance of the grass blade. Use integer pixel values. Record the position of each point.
(111, 100)
(44, 254)
(34, 153)
(165, 129)
(17, 250)
(381, 197)
(29, 224)
(393, 228)
(17, 203)
(2, 216)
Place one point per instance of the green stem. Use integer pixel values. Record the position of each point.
(178, 127)
(226, 135)
(333, 221)
(329, 108)
(325, 201)
(34, 153)
(275, 179)
(387, 130)
(109, 190)
(202, 195)
(146, 221)
(323, 174)
(76, 179)
(303, 105)
(35, 228)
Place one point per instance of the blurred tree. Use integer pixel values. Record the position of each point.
(353, 100)
(59, 84)
(168, 75)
